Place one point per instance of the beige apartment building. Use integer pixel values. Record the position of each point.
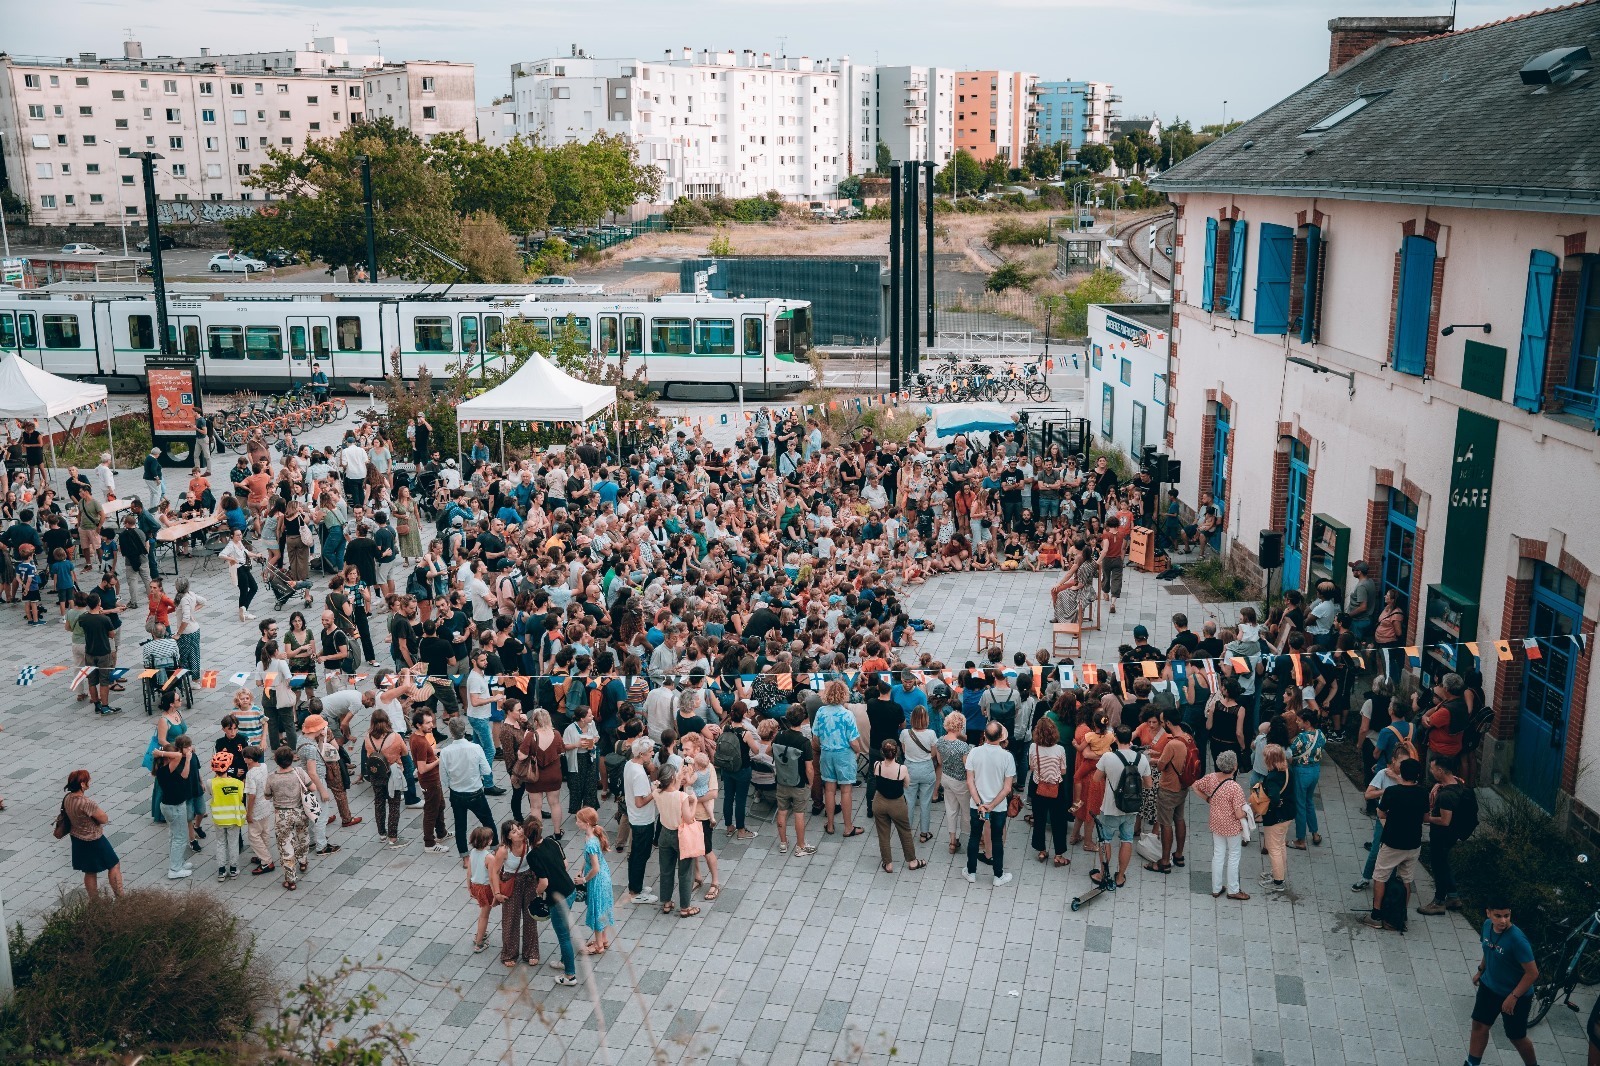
(71, 128)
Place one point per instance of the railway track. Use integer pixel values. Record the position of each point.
(1135, 250)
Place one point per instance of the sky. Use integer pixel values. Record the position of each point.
(1190, 59)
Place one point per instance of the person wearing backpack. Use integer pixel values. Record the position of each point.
(1125, 775)
(1177, 759)
(791, 756)
(735, 744)
(1453, 816)
(1447, 721)
(974, 685)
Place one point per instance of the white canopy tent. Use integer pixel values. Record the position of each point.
(539, 391)
(29, 392)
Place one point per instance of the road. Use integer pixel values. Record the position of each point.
(180, 264)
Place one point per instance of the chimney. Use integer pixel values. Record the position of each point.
(1349, 37)
(132, 50)
(205, 52)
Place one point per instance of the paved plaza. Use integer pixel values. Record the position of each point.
(814, 959)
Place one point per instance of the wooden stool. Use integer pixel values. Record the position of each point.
(989, 635)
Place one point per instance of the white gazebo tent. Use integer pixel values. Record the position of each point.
(26, 391)
(539, 391)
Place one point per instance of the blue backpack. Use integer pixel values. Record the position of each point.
(971, 706)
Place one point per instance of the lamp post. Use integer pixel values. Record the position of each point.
(122, 212)
(157, 274)
(5, 238)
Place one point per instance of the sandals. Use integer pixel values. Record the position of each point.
(916, 864)
(1158, 867)
(1298, 845)
(1041, 856)
(479, 945)
(667, 908)
(857, 831)
(1241, 896)
(955, 847)
(1316, 838)
(288, 884)
(921, 839)
(713, 892)
(1179, 860)
(1062, 860)
(888, 867)
(688, 912)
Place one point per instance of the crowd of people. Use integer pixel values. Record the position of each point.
(626, 653)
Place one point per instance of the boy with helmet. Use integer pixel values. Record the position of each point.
(227, 814)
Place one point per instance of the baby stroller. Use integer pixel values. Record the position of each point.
(283, 588)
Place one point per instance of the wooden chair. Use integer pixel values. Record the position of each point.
(1066, 639)
(989, 635)
(1089, 617)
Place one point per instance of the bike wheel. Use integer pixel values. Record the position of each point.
(239, 442)
(340, 408)
(1562, 967)
(1038, 390)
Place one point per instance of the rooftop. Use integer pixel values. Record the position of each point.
(1447, 118)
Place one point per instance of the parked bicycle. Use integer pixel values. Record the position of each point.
(1569, 963)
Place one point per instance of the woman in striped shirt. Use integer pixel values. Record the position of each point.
(1050, 789)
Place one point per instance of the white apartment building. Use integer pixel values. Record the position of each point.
(915, 113)
(69, 125)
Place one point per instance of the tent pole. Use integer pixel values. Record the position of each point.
(54, 466)
(502, 445)
(111, 446)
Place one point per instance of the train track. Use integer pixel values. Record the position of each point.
(1135, 250)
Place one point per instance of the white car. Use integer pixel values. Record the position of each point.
(235, 262)
(80, 249)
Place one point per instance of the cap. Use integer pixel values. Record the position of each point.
(314, 724)
(222, 762)
(456, 520)
(1359, 566)
(1141, 633)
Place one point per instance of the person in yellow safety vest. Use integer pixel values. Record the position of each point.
(227, 814)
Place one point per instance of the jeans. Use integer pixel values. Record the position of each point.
(412, 799)
(478, 804)
(247, 586)
(333, 550)
(177, 816)
(432, 813)
(1304, 779)
(1225, 863)
(1440, 845)
(735, 793)
(561, 925)
(230, 841)
(919, 793)
(675, 871)
(1372, 852)
(155, 491)
(644, 840)
(997, 839)
(482, 732)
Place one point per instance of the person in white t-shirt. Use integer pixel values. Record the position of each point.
(638, 796)
(991, 773)
(258, 813)
(1113, 823)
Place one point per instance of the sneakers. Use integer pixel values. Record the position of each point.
(233, 871)
(1435, 907)
(1002, 881)
(222, 873)
(809, 849)
(177, 875)
(644, 898)
(437, 849)
(556, 963)
(494, 790)
(567, 980)
(327, 849)
(1361, 886)
(396, 842)
(194, 845)
(783, 847)
(745, 834)
(1266, 877)
(972, 878)
(417, 806)
(1279, 887)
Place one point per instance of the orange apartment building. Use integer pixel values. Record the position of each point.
(996, 113)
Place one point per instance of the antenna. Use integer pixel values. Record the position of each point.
(129, 31)
(783, 44)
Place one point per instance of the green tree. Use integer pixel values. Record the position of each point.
(963, 174)
(508, 182)
(1145, 146)
(720, 245)
(486, 249)
(1008, 276)
(1042, 161)
(1101, 287)
(1096, 158)
(590, 180)
(995, 172)
(850, 188)
(1177, 144)
(883, 158)
(317, 202)
(1124, 154)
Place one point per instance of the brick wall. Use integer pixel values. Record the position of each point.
(1577, 708)
(1394, 311)
(1433, 313)
(1508, 675)
(1219, 273)
(1563, 319)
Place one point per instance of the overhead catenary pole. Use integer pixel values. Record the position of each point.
(909, 314)
(927, 174)
(372, 236)
(158, 275)
(895, 339)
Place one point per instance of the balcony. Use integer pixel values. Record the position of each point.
(916, 117)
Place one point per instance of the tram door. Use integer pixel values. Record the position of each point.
(309, 341)
(184, 333)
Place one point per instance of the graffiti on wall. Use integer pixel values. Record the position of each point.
(193, 212)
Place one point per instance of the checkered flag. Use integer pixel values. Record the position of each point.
(26, 675)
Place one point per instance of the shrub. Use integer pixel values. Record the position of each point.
(150, 968)
(1013, 231)
(131, 434)
(1008, 276)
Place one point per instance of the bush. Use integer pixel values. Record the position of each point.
(1013, 231)
(132, 438)
(1008, 276)
(150, 968)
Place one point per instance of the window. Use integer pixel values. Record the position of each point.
(283, 86)
(1305, 284)
(122, 123)
(82, 83)
(560, 92)
(430, 112)
(311, 99)
(243, 143)
(632, 334)
(1399, 545)
(30, 339)
(225, 342)
(671, 336)
(263, 342)
(174, 115)
(434, 335)
(493, 326)
(1136, 431)
(1273, 269)
(1534, 347)
(348, 331)
(244, 170)
(608, 334)
(169, 86)
(141, 333)
(175, 143)
(36, 111)
(620, 94)
(213, 170)
(1343, 113)
(61, 331)
(180, 170)
(85, 111)
(355, 92)
(43, 170)
(1235, 303)
(71, 199)
(31, 81)
(47, 201)
(97, 198)
(207, 88)
(89, 139)
(1221, 441)
(130, 210)
(714, 336)
(241, 117)
(283, 116)
(1581, 392)
(753, 336)
(92, 168)
(1555, 616)
(259, 88)
(1125, 371)
(41, 140)
(1158, 389)
(1208, 275)
(208, 116)
(540, 326)
(1413, 318)
(427, 85)
(127, 179)
(1108, 408)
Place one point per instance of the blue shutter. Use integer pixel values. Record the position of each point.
(1272, 279)
(1236, 269)
(1414, 312)
(1208, 281)
(1311, 296)
(1535, 346)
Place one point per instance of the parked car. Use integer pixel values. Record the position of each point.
(166, 242)
(556, 279)
(280, 257)
(234, 262)
(80, 249)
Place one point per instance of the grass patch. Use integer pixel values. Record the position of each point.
(132, 433)
(1210, 582)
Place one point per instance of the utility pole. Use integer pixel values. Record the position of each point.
(372, 237)
(927, 173)
(158, 275)
(895, 339)
(909, 269)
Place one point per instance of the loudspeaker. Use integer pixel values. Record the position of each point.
(1174, 470)
(1270, 552)
(1159, 464)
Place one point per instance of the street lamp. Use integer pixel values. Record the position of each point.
(121, 211)
(5, 238)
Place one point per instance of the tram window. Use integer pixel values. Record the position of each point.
(263, 342)
(632, 334)
(469, 334)
(26, 330)
(348, 329)
(493, 326)
(319, 340)
(434, 335)
(191, 341)
(753, 336)
(713, 336)
(671, 336)
(581, 327)
(225, 342)
(8, 332)
(297, 342)
(61, 331)
(141, 333)
(540, 326)
(608, 334)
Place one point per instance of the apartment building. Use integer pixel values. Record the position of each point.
(916, 112)
(70, 125)
(995, 113)
(427, 97)
(1386, 346)
(1075, 113)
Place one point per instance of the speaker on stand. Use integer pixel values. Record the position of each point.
(1269, 553)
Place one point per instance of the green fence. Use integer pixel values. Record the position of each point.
(846, 293)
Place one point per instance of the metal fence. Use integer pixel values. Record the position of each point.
(846, 293)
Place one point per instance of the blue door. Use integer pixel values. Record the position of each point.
(1547, 686)
(1294, 526)
(1219, 473)
(1399, 547)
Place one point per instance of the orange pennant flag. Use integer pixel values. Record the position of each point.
(1472, 647)
(1091, 674)
(785, 680)
(1503, 647)
(1299, 670)
(1239, 665)
(1150, 669)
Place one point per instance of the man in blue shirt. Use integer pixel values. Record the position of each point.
(1505, 980)
(909, 696)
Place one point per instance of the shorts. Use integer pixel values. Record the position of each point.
(1394, 862)
(839, 767)
(1169, 807)
(65, 595)
(483, 895)
(1486, 1008)
(1111, 827)
(796, 799)
(103, 665)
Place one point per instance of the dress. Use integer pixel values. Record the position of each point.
(411, 540)
(598, 892)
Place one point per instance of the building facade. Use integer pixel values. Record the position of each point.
(1127, 395)
(1075, 113)
(995, 113)
(916, 112)
(1386, 334)
(71, 125)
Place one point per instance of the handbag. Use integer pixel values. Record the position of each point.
(306, 536)
(1013, 805)
(310, 802)
(691, 841)
(63, 824)
(1044, 789)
